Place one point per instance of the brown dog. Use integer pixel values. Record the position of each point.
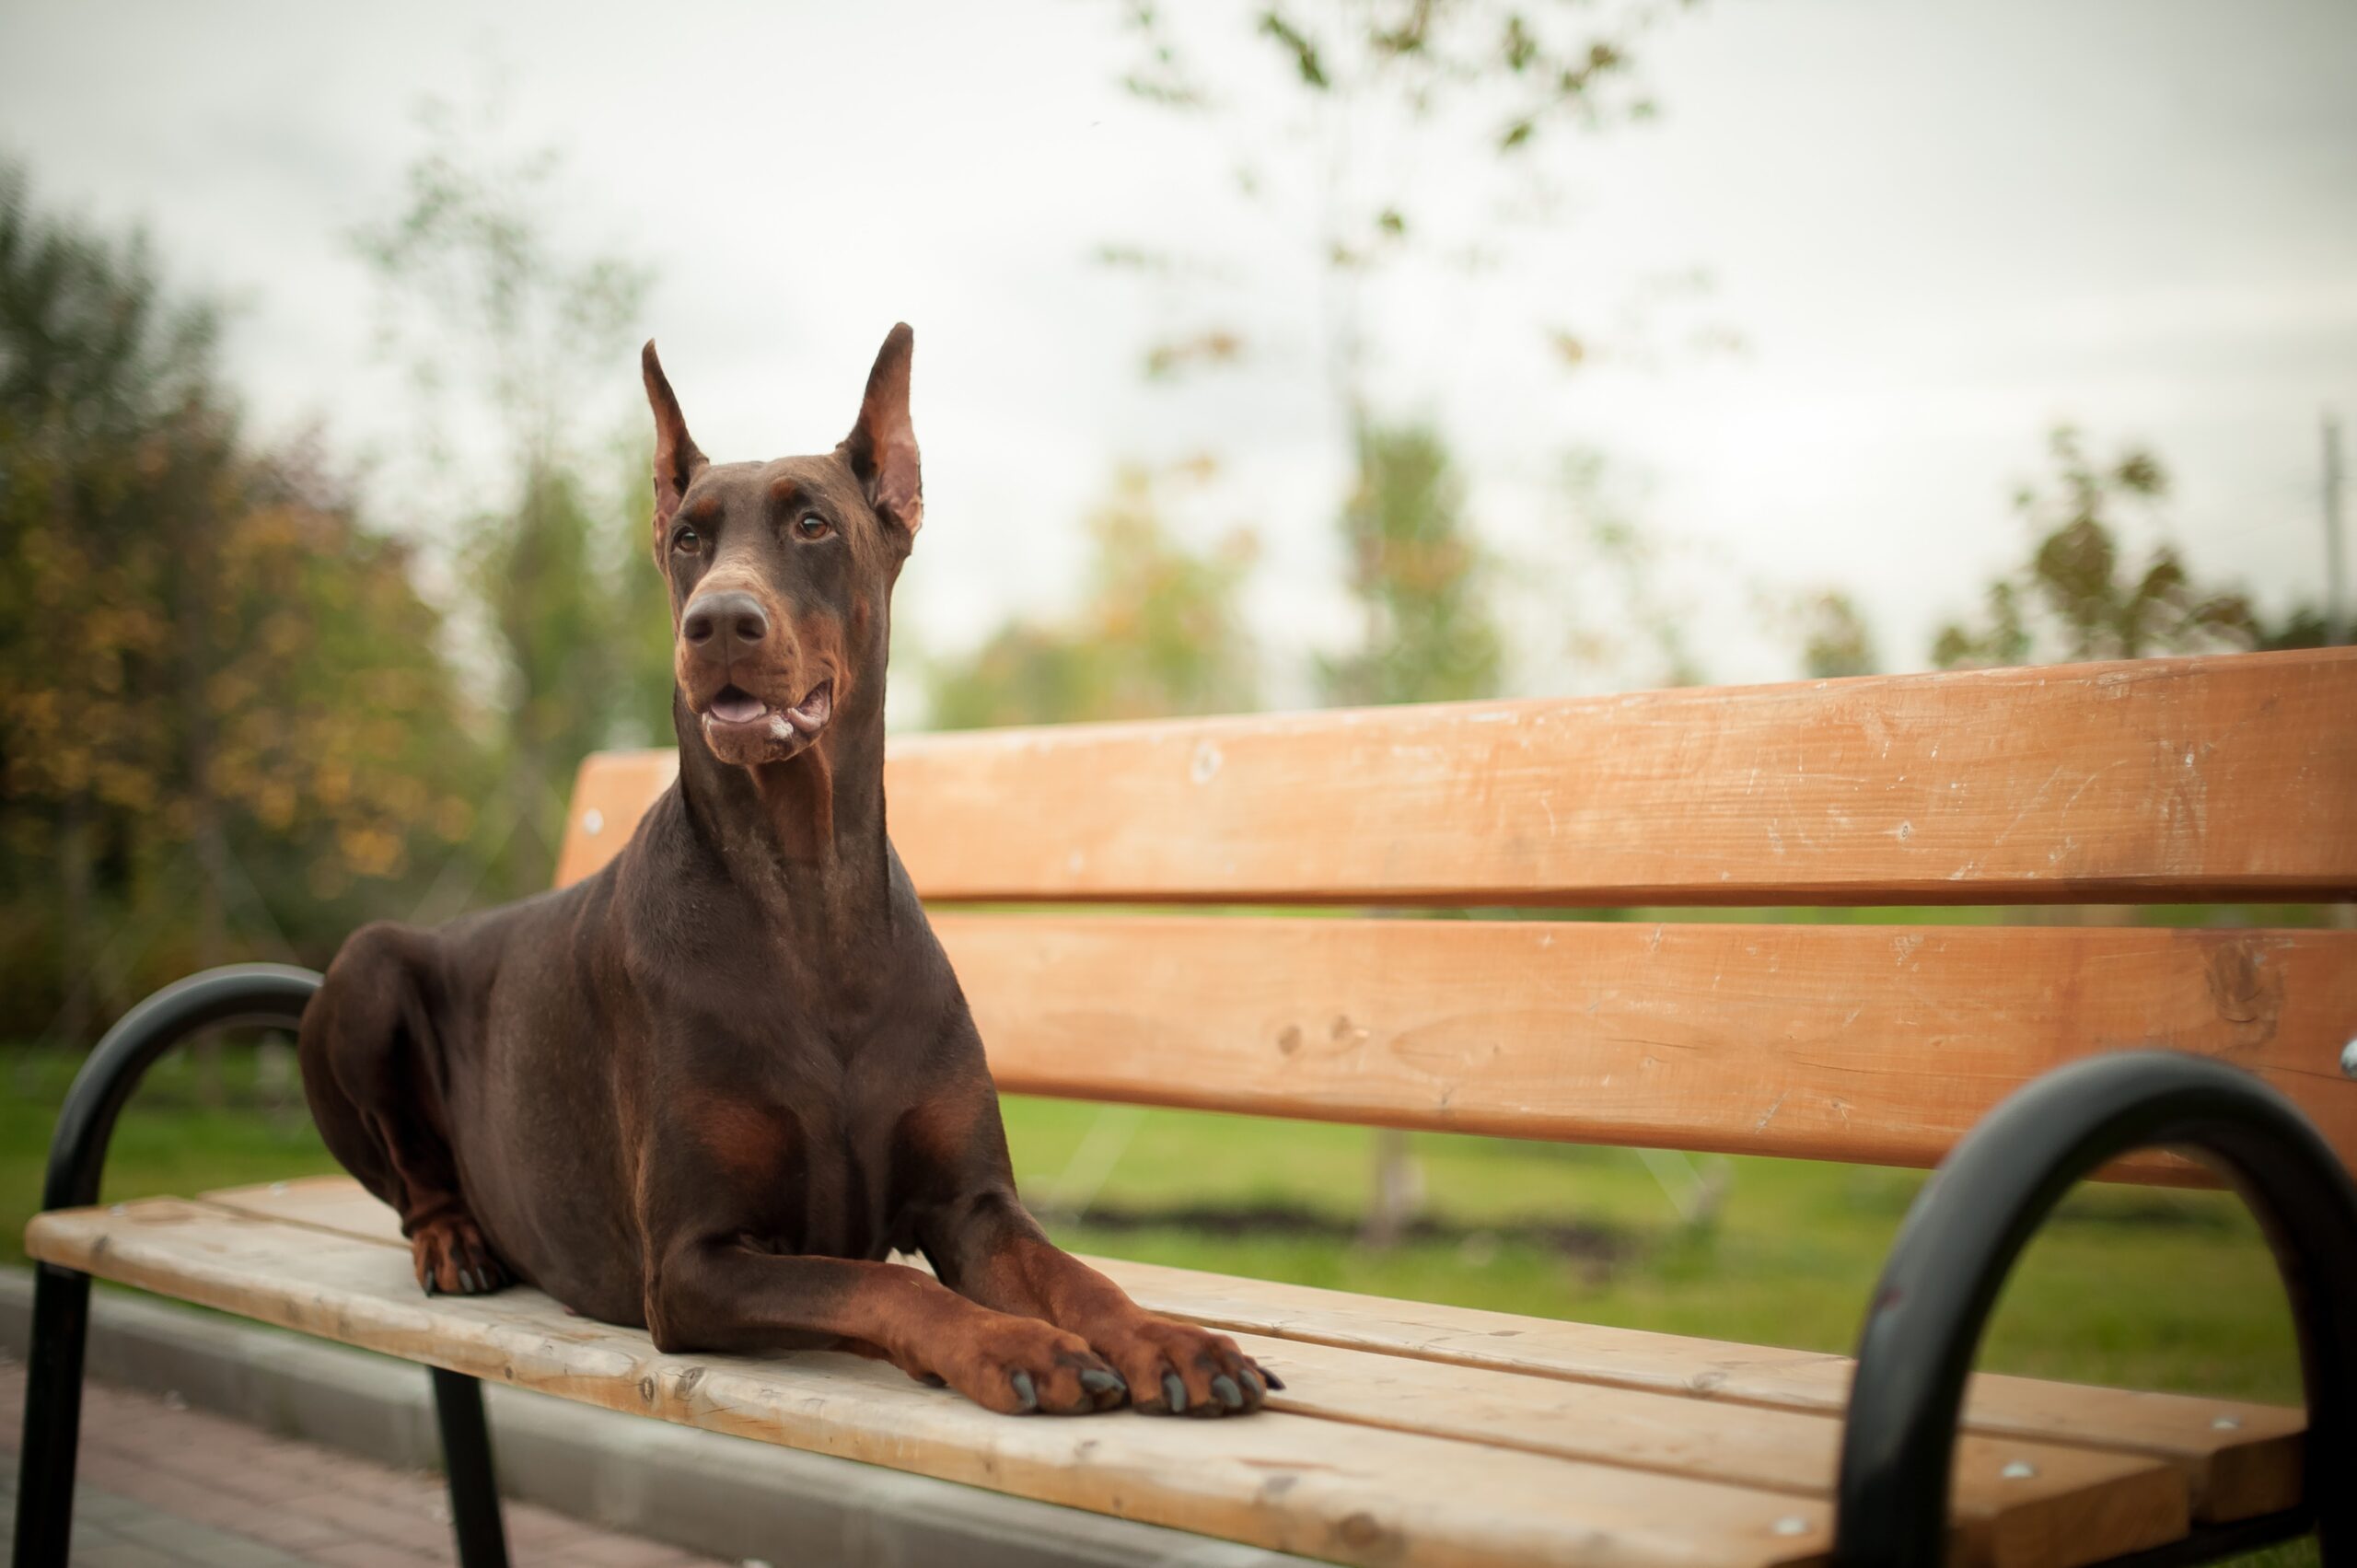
(709, 1089)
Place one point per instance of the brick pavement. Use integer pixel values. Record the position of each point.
(163, 1484)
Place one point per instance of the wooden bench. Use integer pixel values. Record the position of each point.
(1413, 1433)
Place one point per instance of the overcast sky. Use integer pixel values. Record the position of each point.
(1935, 230)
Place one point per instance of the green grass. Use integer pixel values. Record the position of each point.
(168, 1141)
(2138, 1287)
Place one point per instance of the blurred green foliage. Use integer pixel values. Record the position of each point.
(1362, 81)
(1160, 630)
(221, 694)
(232, 723)
(501, 328)
(1420, 576)
(1835, 637)
(2080, 596)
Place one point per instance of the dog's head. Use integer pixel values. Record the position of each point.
(781, 571)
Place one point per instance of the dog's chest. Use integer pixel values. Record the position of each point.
(812, 1149)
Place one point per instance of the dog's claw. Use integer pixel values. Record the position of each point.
(1174, 1393)
(1097, 1382)
(1272, 1379)
(432, 1288)
(1224, 1388)
(1025, 1391)
(1254, 1382)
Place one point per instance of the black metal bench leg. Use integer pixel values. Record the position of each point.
(52, 1418)
(465, 1455)
(262, 993)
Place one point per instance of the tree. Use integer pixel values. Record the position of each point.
(1160, 631)
(1393, 141)
(1420, 578)
(1835, 639)
(2303, 626)
(1627, 623)
(1376, 85)
(2079, 596)
(502, 329)
(104, 382)
(200, 648)
(1419, 574)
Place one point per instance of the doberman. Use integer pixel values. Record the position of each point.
(710, 1089)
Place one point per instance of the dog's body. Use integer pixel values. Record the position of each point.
(709, 1089)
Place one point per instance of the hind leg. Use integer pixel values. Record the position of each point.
(372, 1073)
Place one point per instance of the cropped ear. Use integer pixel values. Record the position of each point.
(677, 460)
(882, 448)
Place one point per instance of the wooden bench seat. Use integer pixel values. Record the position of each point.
(1407, 1434)
(1177, 913)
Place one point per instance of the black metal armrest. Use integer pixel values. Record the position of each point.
(1981, 1207)
(242, 993)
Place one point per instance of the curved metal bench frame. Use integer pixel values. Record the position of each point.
(242, 993)
(1960, 1241)
(1989, 1197)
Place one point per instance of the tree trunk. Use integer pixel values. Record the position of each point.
(1398, 1189)
(199, 556)
(77, 957)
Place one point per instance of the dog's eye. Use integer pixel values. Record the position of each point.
(812, 525)
(686, 541)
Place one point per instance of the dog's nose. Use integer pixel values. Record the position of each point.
(735, 618)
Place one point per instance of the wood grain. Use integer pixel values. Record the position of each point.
(2239, 1458)
(611, 791)
(1883, 1044)
(2218, 778)
(1335, 1490)
(2076, 1504)
(2081, 1505)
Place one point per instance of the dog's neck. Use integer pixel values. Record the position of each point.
(804, 837)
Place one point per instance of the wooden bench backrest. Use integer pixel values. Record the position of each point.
(2203, 779)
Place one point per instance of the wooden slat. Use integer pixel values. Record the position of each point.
(1352, 1494)
(2163, 779)
(2075, 1507)
(612, 790)
(1864, 1043)
(2076, 1504)
(2239, 1458)
(2081, 1505)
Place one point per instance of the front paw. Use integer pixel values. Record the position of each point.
(1179, 1369)
(1020, 1366)
(451, 1257)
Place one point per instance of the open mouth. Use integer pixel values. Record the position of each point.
(734, 706)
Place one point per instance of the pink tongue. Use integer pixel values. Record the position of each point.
(738, 708)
